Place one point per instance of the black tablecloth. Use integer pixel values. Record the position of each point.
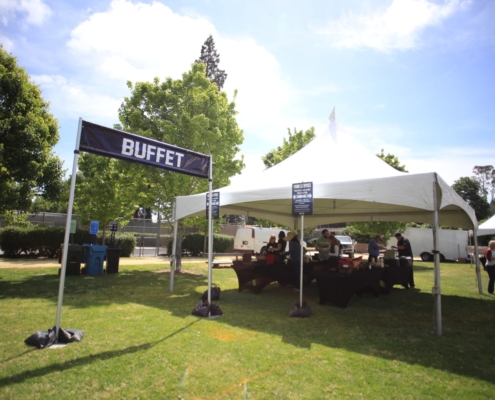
(339, 288)
(396, 276)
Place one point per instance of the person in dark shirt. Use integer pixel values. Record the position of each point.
(295, 257)
(405, 250)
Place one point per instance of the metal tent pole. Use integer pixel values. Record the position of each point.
(67, 229)
(301, 262)
(436, 256)
(477, 261)
(210, 231)
(173, 258)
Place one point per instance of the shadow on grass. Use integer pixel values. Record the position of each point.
(395, 327)
(63, 366)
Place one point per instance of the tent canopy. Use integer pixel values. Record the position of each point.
(350, 184)
(487, 227)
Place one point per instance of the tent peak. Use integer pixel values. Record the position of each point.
(332, 115)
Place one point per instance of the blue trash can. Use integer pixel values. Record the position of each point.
(94, 256)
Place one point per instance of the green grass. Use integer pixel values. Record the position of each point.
(142, 341)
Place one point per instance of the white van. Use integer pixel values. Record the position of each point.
(254, 238)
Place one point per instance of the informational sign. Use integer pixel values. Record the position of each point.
(215, 205)
(302, 198)
(73, 226)
(127, 146)
(114, 226)
(93, 227)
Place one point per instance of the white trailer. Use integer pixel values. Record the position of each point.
(452, 244)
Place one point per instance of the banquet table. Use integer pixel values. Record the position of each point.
(256, 276)
(395, 276)
(339, 288)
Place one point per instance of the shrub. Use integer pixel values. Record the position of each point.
(124, 241)
(194, 243)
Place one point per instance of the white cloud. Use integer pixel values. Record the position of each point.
(34, 12)
(74, 100)
(397, 28)
(145, 40)
(7, 44)
(138, 42)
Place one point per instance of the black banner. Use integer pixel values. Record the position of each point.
(302, 198)
(126, 146)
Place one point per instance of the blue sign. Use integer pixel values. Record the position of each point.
(302, 198)
(127, 146)
(215, 204)
(93, 227)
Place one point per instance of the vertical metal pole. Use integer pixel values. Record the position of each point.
(67, 230)
(173, 257)
(477, 261)
(437, 293)
(210, 231)
(301, 262)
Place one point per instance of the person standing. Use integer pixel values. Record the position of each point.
(295, 257)
(374, 247)
(271, 247)
(405, 250)
(490, 265)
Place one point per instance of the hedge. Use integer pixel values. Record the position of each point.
(194, 243)
(45, 241)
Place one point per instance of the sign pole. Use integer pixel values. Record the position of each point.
(67, 231)
(210, 231)
(301, 262)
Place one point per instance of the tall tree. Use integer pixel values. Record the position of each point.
(28, 133)
(297, 140)
(392, 160)
(485, 175)
(211, 59)
(469, 189)
(191, 113)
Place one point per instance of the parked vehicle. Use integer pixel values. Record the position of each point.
(452, 244)
(254, 238)
(347, 244)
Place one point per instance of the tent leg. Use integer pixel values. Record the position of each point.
(477, 261)
(436, 256)
(173, 255)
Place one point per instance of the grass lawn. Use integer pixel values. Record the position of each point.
(142, 341)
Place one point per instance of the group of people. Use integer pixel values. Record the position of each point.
(403, 248)
(328, 246)
(276, 252)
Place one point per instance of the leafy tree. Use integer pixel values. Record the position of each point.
(191, 113)
(469, 189)
(28, 133)
(297, 140)
(210, 58)
(392, 160)
(366, 230)
(485, 175)
(104, 192)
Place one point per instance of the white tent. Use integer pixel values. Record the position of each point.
(487, 227)
(350, 184)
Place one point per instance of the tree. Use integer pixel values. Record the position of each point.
(485, 175)
(469, 189)
(104, 192)
(392, 160)
(297, 140)
(367, 230)
(191, 113)
(28, 133)
(210, 58)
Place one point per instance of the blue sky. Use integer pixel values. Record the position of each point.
(414, 77)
